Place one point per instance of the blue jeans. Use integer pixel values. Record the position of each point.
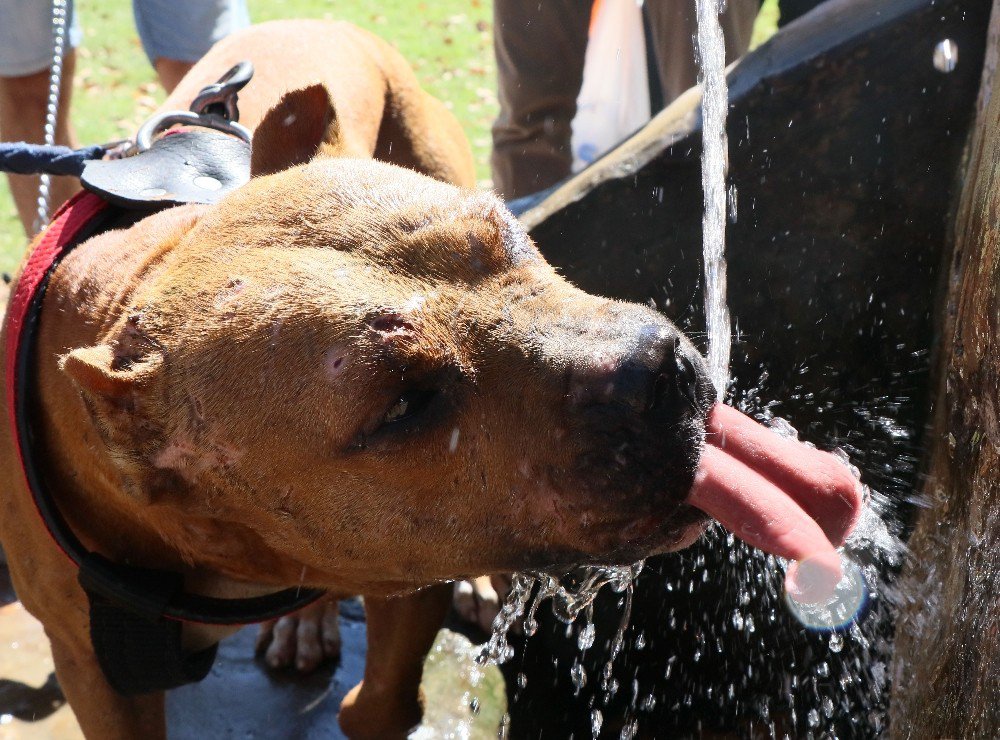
(174, 29)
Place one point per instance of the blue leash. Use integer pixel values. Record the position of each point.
(20, 158)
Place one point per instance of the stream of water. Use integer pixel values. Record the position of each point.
(714, 164)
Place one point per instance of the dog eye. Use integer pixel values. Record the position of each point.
(408, 405)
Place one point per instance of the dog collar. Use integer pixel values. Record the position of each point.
(152, 595)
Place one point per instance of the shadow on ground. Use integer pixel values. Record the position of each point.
(240, 699)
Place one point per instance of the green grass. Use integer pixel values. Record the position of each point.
(767, 23)
(447, 41)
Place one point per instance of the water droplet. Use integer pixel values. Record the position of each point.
(827, 707)
(946, 56)
(596, 720)
(530, 625)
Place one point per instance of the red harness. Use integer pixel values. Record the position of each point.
(46, 251)
(149, 593)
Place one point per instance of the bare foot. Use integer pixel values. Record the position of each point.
(304, 639)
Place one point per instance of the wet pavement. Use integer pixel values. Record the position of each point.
(240, 698)
(31, 705)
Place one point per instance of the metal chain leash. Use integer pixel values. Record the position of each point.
(60, 13)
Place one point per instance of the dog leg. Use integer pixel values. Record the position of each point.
(401, 630)
(102, 712)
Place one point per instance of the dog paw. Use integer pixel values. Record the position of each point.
(304, 639)
(478, 601)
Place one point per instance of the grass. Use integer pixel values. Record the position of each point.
(766, 24)
(447, 41)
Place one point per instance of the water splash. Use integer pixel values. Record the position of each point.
(850, 630)
(470, 700)
(569, 600)
(570, 594)
(869, 539)
(837, 610)
(832, 683)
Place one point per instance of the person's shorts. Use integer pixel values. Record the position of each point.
(174, 29)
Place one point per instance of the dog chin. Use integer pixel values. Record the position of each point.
(683, 539)
(627, 542)
(656, 534)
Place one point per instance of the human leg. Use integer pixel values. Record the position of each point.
(176, 33)
(540, 49)
(674, 27)
(26, 47)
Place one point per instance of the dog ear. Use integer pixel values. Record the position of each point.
(119, 391)
(293, 131)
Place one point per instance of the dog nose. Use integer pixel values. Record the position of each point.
(681, 383)
(691, 378)
(661, 374)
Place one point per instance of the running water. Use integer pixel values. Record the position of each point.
(711, 51)
(714, 164)
(570, 595)
(871, 543)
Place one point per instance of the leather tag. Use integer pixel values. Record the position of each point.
(195, 166)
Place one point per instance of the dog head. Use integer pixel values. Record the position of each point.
(380, 376)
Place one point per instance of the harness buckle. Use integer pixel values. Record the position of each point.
(221, 97)
(215, 107)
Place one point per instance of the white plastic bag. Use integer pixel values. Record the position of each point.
(614, 98)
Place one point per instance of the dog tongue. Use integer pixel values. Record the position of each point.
(779, 495)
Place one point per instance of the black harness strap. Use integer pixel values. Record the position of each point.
(138, 649)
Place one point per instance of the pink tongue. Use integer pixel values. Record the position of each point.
(777, 494)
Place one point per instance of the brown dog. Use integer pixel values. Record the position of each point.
(346, 375)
